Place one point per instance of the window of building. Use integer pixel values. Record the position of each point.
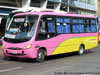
(35, 3)
(50, 5)
(90, 2)
(64, 1)
(11, 3)
(83, 1)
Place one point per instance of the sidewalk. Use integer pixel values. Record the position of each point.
(1, 51)
(0, 48)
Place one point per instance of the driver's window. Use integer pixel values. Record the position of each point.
(46, 28)
(42, 27)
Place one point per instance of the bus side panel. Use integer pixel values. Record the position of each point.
(73, 44)
(90, 42)
(66, 43)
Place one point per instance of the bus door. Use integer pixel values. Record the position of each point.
(46, 28)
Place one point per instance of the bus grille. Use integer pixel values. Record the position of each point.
(12, 48)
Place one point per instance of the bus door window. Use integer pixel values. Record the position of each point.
(46, 28)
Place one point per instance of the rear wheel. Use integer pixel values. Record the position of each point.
(40, 56)
(81, 50)
(13, 58)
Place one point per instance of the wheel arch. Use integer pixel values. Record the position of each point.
(44, 49)
(83, 46)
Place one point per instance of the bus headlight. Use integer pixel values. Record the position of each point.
(28, 46)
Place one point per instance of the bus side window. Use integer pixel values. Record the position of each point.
(87, 25)
(93, 25)
(59, 24)
(75, 25)
(46, 28)
(81, 24)
(67, 25)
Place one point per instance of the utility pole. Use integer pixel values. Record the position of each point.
(17, 3)
(68, 5)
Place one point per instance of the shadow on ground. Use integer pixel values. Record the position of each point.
(48, 58)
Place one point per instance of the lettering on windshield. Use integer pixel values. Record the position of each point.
(19, 20)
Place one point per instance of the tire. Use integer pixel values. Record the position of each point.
(40, 56)
(13, 58)
(81, 50)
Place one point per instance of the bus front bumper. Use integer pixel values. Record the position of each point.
(26, 53)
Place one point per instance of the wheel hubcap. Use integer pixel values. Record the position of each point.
(81, 50)
(40, 55)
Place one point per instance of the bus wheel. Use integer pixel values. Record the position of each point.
(40, 56)
(81, 50)
(13, 58)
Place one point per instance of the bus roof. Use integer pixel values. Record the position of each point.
(27, 9)
(52, 12)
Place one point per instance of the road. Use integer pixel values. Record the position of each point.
(88, 63)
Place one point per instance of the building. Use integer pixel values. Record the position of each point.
(98, 9)
(86, 7)
(98, 14)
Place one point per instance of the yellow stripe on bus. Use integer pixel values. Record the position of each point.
(73, 44)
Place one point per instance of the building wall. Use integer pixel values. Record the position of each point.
(86, 7)
(98, 9)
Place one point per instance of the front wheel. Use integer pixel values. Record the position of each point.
(81, 50)
(40, 56)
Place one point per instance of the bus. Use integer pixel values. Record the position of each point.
(37, 34)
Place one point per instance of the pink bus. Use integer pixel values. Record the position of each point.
(43, 33)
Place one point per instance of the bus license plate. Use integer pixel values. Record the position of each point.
(14, 52)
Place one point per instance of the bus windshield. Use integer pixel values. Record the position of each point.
(21, 27)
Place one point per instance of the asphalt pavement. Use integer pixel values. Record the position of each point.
(64, 64)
